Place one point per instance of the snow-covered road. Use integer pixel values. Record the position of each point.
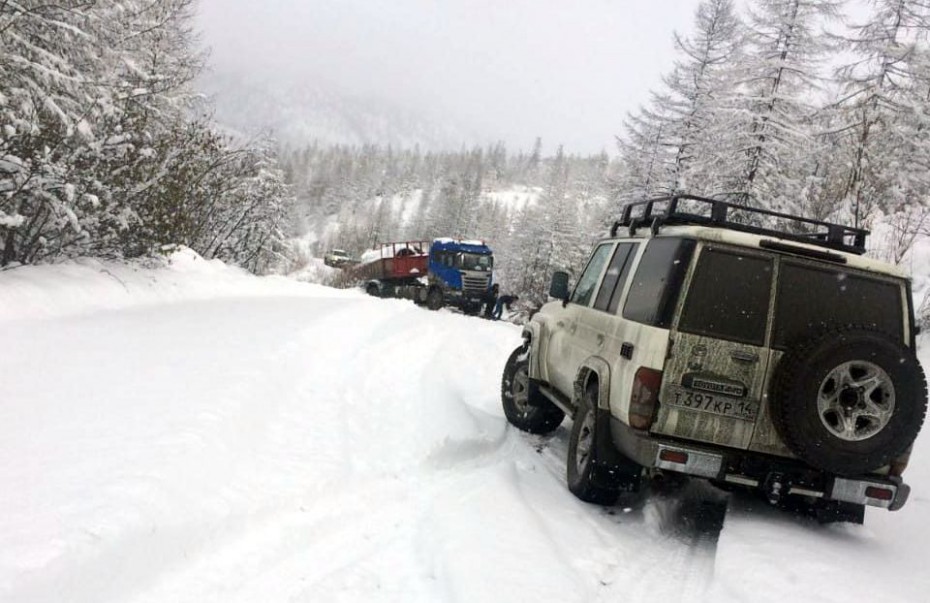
(307, 444)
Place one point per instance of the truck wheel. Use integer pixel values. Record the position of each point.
(434, 299)
(526, 408)
(372, 290)
(589, 478)
(849, 401)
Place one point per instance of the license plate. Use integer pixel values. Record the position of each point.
(736, 408)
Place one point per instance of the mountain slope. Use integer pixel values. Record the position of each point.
(298, 113)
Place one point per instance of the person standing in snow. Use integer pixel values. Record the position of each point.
(503, 300)
(490, 300)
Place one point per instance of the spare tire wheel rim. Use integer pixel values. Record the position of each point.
(520, 389)
(585, 442)
(856, 400)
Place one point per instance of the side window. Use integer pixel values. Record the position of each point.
(444, 258)
(657, 282)
(729, 297)
(584, 290)
(608, 296)
(811, 299)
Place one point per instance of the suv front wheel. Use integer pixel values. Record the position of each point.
(526, 408)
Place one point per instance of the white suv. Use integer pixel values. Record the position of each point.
(751, 348)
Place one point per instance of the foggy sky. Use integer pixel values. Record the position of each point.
(509, 70)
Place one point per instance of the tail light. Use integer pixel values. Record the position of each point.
(674, 456)
(879, 493)
(644, 397)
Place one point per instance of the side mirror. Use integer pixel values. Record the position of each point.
(558, 288)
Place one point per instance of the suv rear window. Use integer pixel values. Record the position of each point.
(729, 297)
(657, 282)
(811, 299)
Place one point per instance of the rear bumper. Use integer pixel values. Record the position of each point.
(777, 477)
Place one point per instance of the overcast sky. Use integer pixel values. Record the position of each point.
(565, 70)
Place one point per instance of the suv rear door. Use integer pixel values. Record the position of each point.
(713, 380)
(640, 335)
(812, 297)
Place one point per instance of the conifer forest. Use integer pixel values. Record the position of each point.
(107, 150)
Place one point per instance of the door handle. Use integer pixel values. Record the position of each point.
(746, 357)
(600, 339)
(560, 323)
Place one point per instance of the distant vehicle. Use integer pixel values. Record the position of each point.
(699, 341)
(442, 272)
(338, 258)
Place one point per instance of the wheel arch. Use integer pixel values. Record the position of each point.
(531, 337)
(594, 369)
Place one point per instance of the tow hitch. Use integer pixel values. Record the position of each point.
(775, 486)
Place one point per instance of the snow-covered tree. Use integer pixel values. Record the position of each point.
(780, 80)
(883, 108)
(675, 143)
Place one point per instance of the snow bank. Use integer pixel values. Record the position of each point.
(88, 285)
(314, 270)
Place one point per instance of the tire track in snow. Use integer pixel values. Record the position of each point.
(401, 423)
(309, 552)
(317, 431)
(382, 421)
(365, 456)
(661, 546)
(230, 469)
(679, 540)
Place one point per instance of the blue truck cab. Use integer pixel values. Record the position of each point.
(460, 274)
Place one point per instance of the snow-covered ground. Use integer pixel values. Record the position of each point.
(192, 433)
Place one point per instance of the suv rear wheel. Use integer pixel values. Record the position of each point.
(849, 401)
(526, 408)
(588, 478)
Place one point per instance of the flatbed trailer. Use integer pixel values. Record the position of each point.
(399, 262)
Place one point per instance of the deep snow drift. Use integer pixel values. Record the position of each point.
(192, 433)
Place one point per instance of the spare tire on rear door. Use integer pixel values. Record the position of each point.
(850, 400)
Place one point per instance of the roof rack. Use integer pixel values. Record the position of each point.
(689, 209)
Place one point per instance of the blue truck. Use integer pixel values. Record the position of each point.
(442, 272)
